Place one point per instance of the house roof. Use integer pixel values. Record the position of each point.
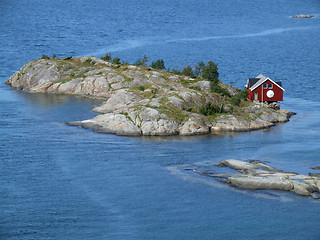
(253, 83)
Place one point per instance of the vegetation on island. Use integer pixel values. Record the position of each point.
(207, 71)
(188, 75)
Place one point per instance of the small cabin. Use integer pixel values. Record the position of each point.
(264, 89)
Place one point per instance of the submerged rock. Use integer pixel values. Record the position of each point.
(256, 175)
(316, 168)
(303, 16)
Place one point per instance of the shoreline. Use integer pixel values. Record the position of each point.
(141, 101)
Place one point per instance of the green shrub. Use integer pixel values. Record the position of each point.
(90, 61)
(141, 88)
(235, 100)
(159, 64)
(210, 71)
(138, 62)
(142, 61)
(188, 71)
(116, 60)
(145, 61)
(199, 69)
(188, 109)
(106, 57)
(176, 71)
(54, 56)
(215, 87)
(241, 96)
(244, 94)
(198, 88)
(44, 56)
(209, 109)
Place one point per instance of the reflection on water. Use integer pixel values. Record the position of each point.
(47, 99)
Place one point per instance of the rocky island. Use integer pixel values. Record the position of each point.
(140, 100)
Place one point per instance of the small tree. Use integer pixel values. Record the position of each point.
(142, 61)
(106, 57)
(138, 62)
(116, 60)
(199, 69)
(145, 61)
(44, 56)
(210, 71)
(215, 87)
(159, 64)
(241, 96)
(187, 71)
(176, 71)
(209, 109)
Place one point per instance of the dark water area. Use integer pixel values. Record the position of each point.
(62, 182)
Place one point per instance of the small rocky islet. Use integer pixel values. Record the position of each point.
(139, 100)
(257, 175)
(303, 16)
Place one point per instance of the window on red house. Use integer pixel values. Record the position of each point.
(270, 85)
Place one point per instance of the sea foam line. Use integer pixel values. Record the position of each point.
(136, 43)
(263, 33)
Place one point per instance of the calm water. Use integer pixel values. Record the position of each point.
(62, 182)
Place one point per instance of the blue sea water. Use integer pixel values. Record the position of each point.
(62, 182)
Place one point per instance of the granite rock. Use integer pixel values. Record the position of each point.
(143, 101)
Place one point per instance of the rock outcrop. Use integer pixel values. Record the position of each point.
(303, 16)
(256, 175)
(144, 101)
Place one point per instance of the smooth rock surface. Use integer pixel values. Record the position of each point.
(110, 123)
(256, 175)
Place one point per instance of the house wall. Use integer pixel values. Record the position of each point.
(250, 95)
(262, 93)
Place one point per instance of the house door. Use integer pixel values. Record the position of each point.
(255, 96)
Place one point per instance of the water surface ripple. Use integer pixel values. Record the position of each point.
(62, 182)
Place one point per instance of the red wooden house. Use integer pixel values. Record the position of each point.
(264, 89)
